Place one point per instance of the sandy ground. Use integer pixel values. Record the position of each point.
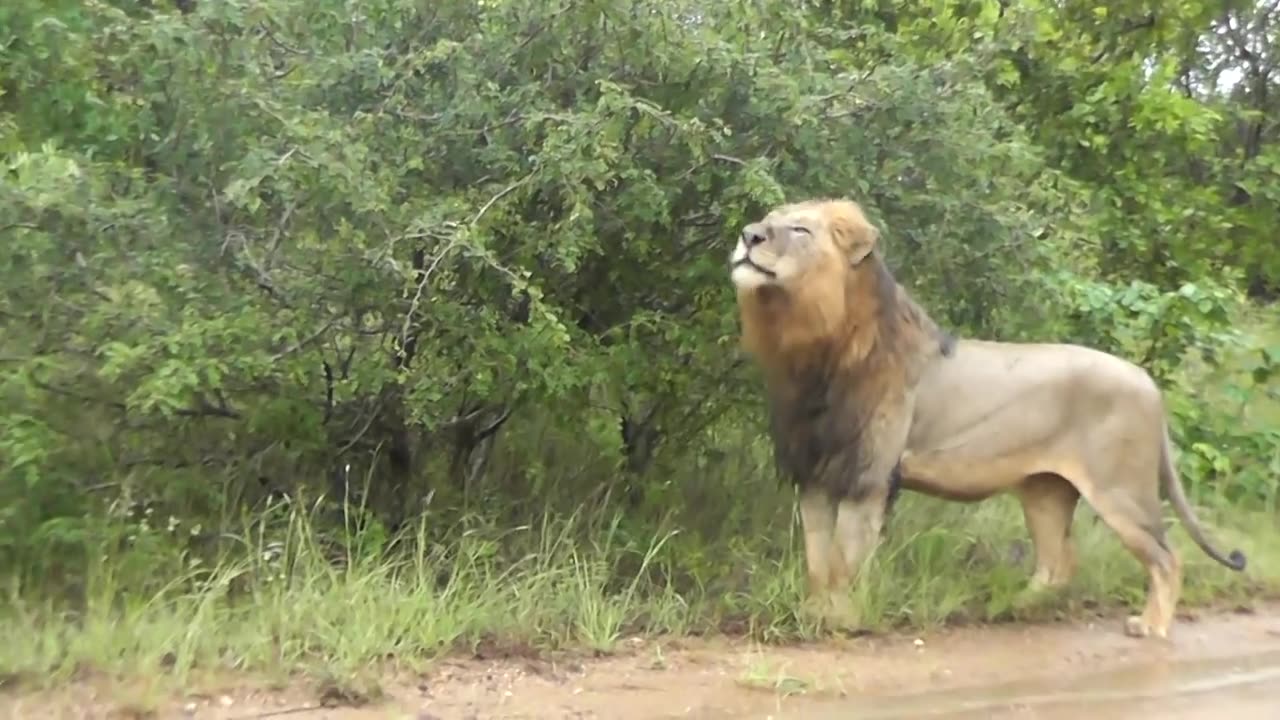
(1216, 665)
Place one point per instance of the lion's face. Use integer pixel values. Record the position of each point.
(796, 240)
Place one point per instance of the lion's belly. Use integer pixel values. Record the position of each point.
(963, 494)
(965, 479)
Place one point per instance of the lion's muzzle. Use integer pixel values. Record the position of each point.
(746, 262)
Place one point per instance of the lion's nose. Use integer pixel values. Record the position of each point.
(752, 235)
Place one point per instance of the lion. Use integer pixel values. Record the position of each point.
(865, 391)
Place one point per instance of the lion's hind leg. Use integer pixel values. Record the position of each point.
(1145, 538)
(1048, 507)
(1138, 522)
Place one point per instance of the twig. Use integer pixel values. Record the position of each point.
(203, 409)
(495, 425)
(302, 343)
(417, 295)
(377, 409)
(439, 258)
(505, 192)
(278, 233)
(282, 44)
(278, 713)
(328, 391)
(547, 22)
(458, 420)
(729, 159)
(18, 226)
(217, 216)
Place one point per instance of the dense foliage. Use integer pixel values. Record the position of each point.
(469, 257)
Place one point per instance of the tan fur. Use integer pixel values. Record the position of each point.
(861, 380)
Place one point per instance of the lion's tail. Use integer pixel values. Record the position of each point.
(1169, 477)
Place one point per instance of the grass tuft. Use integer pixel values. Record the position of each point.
(291, 603)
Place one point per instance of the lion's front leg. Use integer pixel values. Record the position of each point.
(818, 518)
(857, 534)
(860, 513)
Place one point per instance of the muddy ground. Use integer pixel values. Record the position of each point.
(1216, 665)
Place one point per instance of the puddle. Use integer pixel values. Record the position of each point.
(1245, 687)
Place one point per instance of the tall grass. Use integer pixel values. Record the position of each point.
(292, 600)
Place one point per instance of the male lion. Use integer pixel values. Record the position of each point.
(862, 386)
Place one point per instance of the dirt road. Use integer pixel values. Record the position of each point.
(1215, 666)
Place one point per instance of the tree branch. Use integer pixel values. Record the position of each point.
(407, 340)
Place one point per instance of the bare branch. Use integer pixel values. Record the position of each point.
(278, 233)
(266, 30)
(496, 425)
(18, 226)
(424, 276)
(328, 392)
(377, 409)
(454, 241)
(303, 342)
(505, 192)
(729, 159)
(547, 22)
(203, 408)
(458, 420)
(276, 713)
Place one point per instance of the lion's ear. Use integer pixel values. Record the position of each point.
(851, 232)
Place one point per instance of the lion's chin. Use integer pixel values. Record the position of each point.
(746, 276)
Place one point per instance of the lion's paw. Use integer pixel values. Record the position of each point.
(841, 615)
(816, 608)
(1032, 596)
(1138, 627)
(1135, 626)
(841, 606)
(834, 611)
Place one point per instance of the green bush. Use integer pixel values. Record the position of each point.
(398, 267)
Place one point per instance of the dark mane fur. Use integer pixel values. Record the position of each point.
(837, 357)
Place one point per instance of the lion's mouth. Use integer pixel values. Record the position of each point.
(747, 261)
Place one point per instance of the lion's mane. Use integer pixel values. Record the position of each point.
(839, 356)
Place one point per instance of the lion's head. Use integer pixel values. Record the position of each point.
(812, 288)
(799, 244)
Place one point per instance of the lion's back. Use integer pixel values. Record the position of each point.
(1004, 362)
(983, 379)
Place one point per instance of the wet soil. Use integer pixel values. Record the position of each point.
(1222, 664)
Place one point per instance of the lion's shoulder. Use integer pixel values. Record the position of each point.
(906, 333)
